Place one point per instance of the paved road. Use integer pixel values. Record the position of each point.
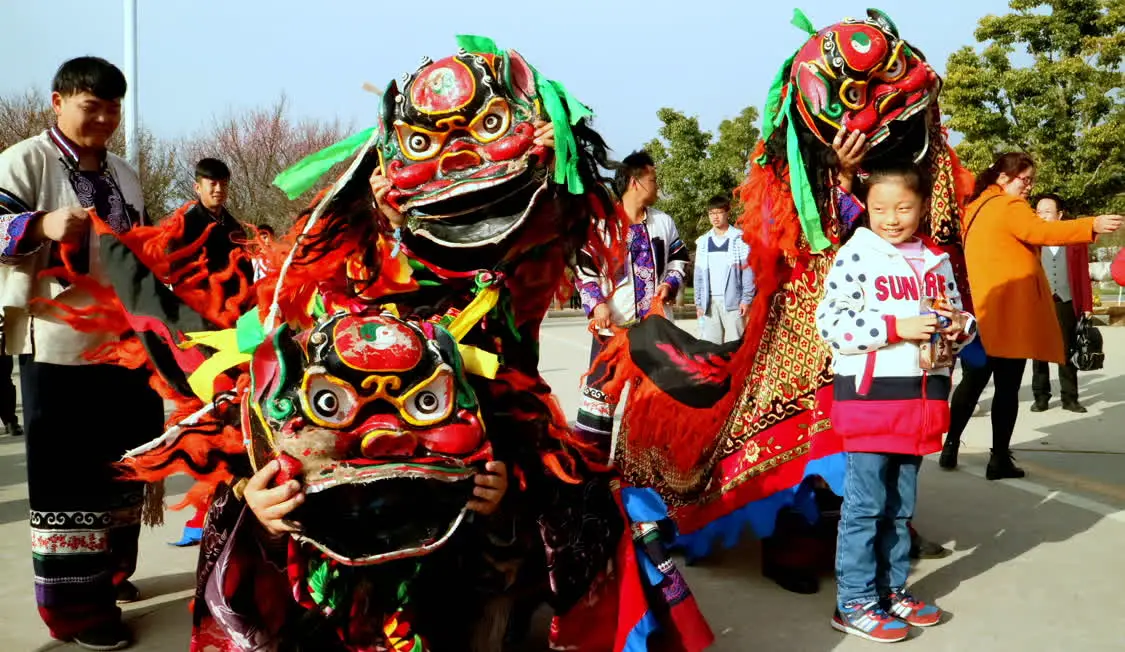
(1037, 563)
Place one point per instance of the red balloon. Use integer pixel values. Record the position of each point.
(1117, 267)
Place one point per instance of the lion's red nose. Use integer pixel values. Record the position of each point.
(457, 161)
(388, 443)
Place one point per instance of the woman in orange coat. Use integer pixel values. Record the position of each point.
(1011, 298)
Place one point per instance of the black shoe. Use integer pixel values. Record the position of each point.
(111, 636)
(127, 592)
(1041, 405)
(1074, 406)
(1002, 466)
(794, 581)
(14, 429)
(948, 459)
(925, 549)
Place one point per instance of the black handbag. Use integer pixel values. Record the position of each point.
(1086, 350)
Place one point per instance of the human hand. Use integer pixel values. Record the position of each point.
(492, 484)
(849, 149)
(662, 292)
(272, 504)
(380, 186)
(956, 325)
(918, 328)
(544, 133)
(699, 312)
(63, 224)
(1107, 223)
(744, 310)
(600, 317)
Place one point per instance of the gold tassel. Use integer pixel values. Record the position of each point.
(152, 514)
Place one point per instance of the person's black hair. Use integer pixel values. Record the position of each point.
(93, 75)
(213, 169)
(912, 176)
(1060, 205)
(267, 229)
(631, 167)
(719, 202)
(1010, 164)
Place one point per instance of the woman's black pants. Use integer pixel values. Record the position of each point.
(1007, 373)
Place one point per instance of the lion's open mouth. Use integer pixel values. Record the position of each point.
(374, 522)
(475, 218)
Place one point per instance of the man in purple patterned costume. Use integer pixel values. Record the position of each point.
(650, 273)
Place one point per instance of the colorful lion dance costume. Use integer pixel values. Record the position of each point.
(728, 434)
(383, 367)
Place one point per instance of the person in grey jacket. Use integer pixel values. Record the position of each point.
(724, 284)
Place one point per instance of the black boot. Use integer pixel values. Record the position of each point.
(948, 459)
(1002, 466)
(1074, 406)
(1041, 404)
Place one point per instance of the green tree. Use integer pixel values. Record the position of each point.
(1066, 107)
(692, 165)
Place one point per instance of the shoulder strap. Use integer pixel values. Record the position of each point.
(973, 219)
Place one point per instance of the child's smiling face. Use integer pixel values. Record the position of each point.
(894, 210)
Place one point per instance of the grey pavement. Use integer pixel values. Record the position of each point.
(1037, 563)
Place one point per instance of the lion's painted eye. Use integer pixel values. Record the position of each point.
(853, 96)
(326, 403)
(427, 402)
(431, 402)
(896, 68)
(418, 143)
(329, 401)
(492, 123)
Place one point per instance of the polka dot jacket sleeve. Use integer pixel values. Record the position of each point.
(847, 319)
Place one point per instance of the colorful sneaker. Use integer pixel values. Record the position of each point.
(912, 610)
(870, 621)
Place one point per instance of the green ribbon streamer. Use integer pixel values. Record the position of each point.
(777, 111)
(318, 581)
(304, 174)
(774, 115)
(807, 210)
(248, 332)
(562, 108)
(802, 22)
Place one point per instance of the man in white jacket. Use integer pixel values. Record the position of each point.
(654, 263)
(79, 417)
(724, 284)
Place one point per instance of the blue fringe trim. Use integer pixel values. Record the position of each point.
(761, 515)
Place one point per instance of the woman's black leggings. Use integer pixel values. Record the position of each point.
(1008, 376)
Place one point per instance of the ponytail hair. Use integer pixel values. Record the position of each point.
(1010, 164)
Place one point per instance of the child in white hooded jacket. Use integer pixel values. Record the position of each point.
(891, 302)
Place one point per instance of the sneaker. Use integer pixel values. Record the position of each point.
(127, 592)
(913, 611)
(1040, 405)
(1002, 466)
(871, 622)
(110, 636)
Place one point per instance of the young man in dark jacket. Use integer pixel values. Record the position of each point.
(212, 183)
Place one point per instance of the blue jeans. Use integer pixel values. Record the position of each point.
(873, 541)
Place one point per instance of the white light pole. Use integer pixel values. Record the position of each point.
(132, 136)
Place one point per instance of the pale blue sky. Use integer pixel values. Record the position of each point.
(625, 58)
